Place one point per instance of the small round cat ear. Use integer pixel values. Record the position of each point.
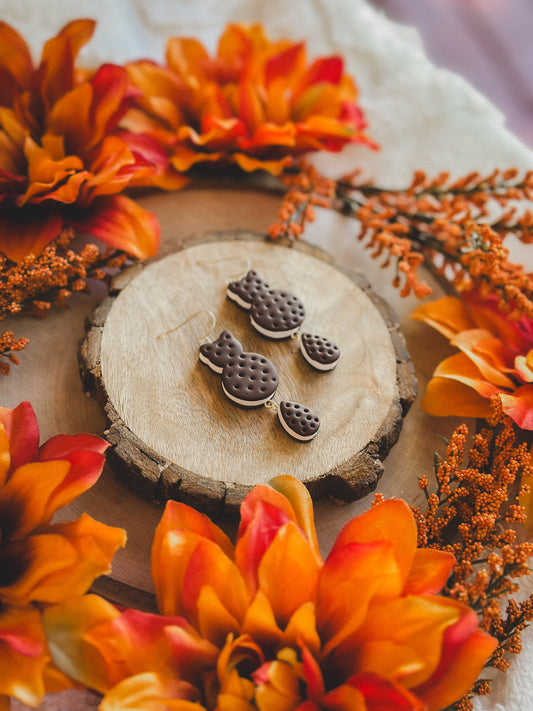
(278, 315)
(250, 380)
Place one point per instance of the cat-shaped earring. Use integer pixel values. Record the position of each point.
(250, 380)
(277, 315)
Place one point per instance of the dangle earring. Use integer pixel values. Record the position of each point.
(251, 380)
(277, 315)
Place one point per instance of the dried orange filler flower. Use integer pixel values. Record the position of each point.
(473, 513)
(37, 283)
(447, 225)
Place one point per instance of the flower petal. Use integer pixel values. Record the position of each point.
(524, 366)
(85, 467)
(66, 626)
(281, 690)
(110, 85)
(24, 498)
(288, 573)
(51, 566)
(519, 406)
(21, 631)
(22, 430)
(215, 623)
(209, 565)
(5, 459)
(465, 649)
(260, 623)
(180, 517)
(262, 493)
(447, 315)
(170, 556)
(302, 630)
(121, 223)
(23, 655)
(255, 540)
(236, 692)
(352, 576)
(468, 341)
(57, 64)
(429, 572)
(382, 523)
(151, 692)
(300, 499)
(15, 56)
(192, 657)
(25, 231)
(176, 536)
(446, 397)
(381, 694)
(346, 698)
(149, 152)
(95, 544)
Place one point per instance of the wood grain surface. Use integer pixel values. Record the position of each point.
(175, 435)
(49, 377)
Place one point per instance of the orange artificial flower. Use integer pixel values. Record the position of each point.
(43, 563)
(255, 103)
(268, 624)
(63, 157)
(496, 357)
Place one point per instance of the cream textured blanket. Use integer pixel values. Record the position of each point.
(422, 117)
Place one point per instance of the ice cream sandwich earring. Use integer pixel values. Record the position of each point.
(277, 315)
(250, 380)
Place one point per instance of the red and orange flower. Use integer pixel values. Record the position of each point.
(268, 624)
(63, 157)
(496, 357)
(42, 563)
(255, 103)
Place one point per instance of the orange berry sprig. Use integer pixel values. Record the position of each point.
(306, 189)
(450, 226)
(474, 513)
(37, 283)
(8, 346)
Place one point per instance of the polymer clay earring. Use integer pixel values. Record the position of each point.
(277, 315)
(251, 380)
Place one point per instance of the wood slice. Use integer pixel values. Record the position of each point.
(175, 435)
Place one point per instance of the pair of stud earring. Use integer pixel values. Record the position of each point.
(250, 379)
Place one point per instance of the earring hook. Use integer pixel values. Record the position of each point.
(205, 338)
(234, 277)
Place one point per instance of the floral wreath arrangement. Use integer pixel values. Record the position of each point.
(410, 605)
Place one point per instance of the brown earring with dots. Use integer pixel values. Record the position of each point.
(250, 380)
(277, 315)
